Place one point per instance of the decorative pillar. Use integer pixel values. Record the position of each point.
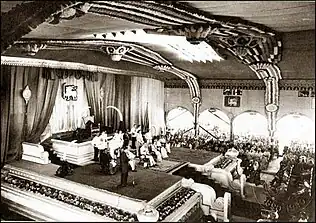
(231, 119)
(195, 93)
(270, 73)
(196, 101)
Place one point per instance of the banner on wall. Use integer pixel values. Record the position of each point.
(69, 92)
(231, 101)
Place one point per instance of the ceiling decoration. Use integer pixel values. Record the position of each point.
(116, 52)
(162, 67)
(31, 49)
(69, 13)
(120, 51)
(32, 62)
(23, 18)
(202, 52)
(250, 44)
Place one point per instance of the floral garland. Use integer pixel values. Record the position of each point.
(68, 198)
(174, 202)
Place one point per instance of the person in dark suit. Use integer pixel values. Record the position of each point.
(125, 139)
(124, 166)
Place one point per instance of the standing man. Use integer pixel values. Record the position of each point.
(123, 166)
(125, 139)
(133, 136)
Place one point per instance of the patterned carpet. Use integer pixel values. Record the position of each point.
(166, 165)
(190, 155)
(149, 183)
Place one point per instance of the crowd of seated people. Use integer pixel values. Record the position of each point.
(250, 147)
(295, 175)
(154, 149)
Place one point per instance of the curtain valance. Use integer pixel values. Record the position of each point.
(65, 73)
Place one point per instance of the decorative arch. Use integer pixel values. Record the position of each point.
(215, 121)
(177, 106)
(295, 127)
(179, 118)
(250, 123)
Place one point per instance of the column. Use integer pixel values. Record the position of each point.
(270, 74)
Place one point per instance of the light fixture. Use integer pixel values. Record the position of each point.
(116, 52)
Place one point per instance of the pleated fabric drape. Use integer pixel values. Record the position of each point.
(93, 96)
(5, 100)
(24, 123)
(122, 100)
(108, 88)
(147, 91)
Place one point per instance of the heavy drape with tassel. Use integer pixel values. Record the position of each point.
(14, 128)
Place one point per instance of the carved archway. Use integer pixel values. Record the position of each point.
(295, 127)
(215, 121)
(179, 118)
(250, 123)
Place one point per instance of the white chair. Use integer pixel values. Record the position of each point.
(35, 153)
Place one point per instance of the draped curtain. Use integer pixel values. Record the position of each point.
(93, 96)
(101, 94)
(122, 100)
(108, 87)
(24, 123)
(147, 91)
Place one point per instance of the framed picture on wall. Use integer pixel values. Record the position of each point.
(231, 101)
(69, 92)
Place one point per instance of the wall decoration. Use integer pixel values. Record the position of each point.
(26, 94)
(312, 94)
(69, 92)
(303, 93)
(231, 101)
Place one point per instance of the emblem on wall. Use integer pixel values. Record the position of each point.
(69, 92)
(231, 101)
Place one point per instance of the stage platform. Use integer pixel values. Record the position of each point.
(149, 183)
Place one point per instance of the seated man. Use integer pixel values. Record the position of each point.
(144, 154)
(168, 145)
(161, 142)
(139, 141)
(153, 150)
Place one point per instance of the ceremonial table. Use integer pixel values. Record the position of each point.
(80, 153)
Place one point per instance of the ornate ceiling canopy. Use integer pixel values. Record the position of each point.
(117, 50)
(249, 43)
